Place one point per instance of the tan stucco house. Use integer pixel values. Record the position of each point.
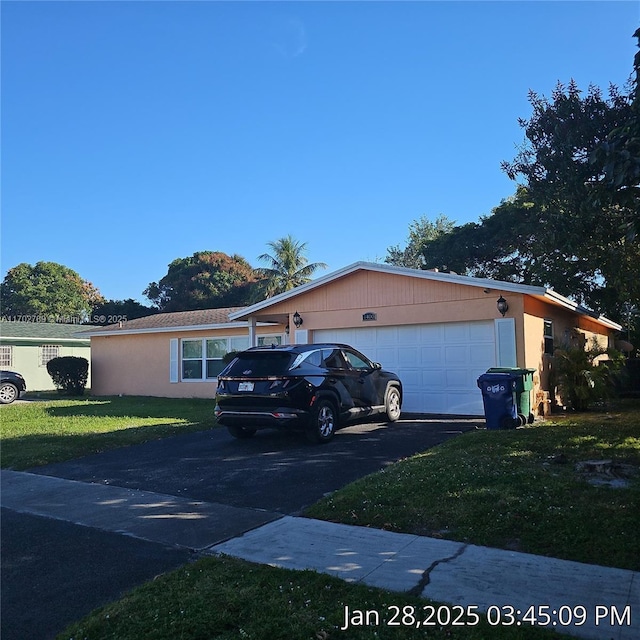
(438, 331)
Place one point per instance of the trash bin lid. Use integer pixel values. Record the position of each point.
(492, 379)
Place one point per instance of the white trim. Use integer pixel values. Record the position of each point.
(253, 341)
(188, 327)
(44, 340)
(506, 350)
(549, 295)
(174, 361)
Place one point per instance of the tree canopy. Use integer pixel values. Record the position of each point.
(111, 311)
(49, 292)
(619, 156)
(421, 232)
(582, 221)
(574, 219)
(288, 266)
(205, 280)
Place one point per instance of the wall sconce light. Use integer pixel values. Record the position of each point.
(502, 305)
(287, 330)
(297, 320)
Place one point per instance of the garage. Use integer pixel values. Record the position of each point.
(438, 364)
(438, 331)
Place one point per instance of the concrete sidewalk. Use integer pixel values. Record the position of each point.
(605, 600)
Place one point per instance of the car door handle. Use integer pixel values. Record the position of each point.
(361, 380)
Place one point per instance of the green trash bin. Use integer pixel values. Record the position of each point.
(524, 384)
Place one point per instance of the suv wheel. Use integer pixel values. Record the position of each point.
(8, 393)
(392, 404)
(323, 422)
(241, 432)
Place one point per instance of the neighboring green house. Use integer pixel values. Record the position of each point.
(26, 347)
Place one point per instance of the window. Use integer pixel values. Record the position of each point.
(192, 359)
(48, 352)
(202, 358)
(548, 337)
(216, 349)
(6, 356)
(356, 361)
(334, 359)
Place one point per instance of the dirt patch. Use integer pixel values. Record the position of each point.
(607, 473)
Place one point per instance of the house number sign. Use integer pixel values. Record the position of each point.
(367, 317)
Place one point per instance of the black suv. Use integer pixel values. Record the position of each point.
(317, 388)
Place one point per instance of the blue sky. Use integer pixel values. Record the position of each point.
(134, 133)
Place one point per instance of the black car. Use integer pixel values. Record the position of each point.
(12, 384)
(317, 388)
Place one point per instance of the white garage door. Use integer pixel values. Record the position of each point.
(438, 364)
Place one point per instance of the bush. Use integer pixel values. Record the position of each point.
(69, 374)
(581, 380)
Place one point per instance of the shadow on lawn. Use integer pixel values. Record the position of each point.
(34, 450)
(189, 409)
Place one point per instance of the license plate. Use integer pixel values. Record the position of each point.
(245, 386)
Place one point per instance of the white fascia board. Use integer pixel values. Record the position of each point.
(556, 298)
(405, 271)
(486, 283)
(56, 340)
(189, 327)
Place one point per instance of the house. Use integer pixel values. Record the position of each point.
(174, 355)
(26, 347)
(438, 331)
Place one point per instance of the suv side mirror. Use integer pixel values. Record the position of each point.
(377, 365)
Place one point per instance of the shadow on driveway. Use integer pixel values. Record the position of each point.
(274, 470)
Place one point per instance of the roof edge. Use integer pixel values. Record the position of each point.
(526, 289)
(188, 327)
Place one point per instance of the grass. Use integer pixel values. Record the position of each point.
(517, 490)
(509, 489)
(53, 430)
(225, 598)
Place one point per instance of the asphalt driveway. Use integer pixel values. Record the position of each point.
(274, 470)
(55, 572)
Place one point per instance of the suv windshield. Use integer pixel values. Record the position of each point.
(259, 363)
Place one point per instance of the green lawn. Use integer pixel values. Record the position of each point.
(53, 430)
(225, 598)
(515, 489)
(518, 489)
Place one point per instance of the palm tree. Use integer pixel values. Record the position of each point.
(287, 267)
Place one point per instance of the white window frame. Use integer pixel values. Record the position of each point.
(6, 355)
(233, 343)
(48, 352)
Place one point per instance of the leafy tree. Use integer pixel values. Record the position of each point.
(110, 310)
(578, 225)
(288, 266)
(421, 232)
(47, 290)
(619, 155)
(205, 280)
(571, 227)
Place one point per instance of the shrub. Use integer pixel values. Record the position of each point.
(580, 378)
(69, 374)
